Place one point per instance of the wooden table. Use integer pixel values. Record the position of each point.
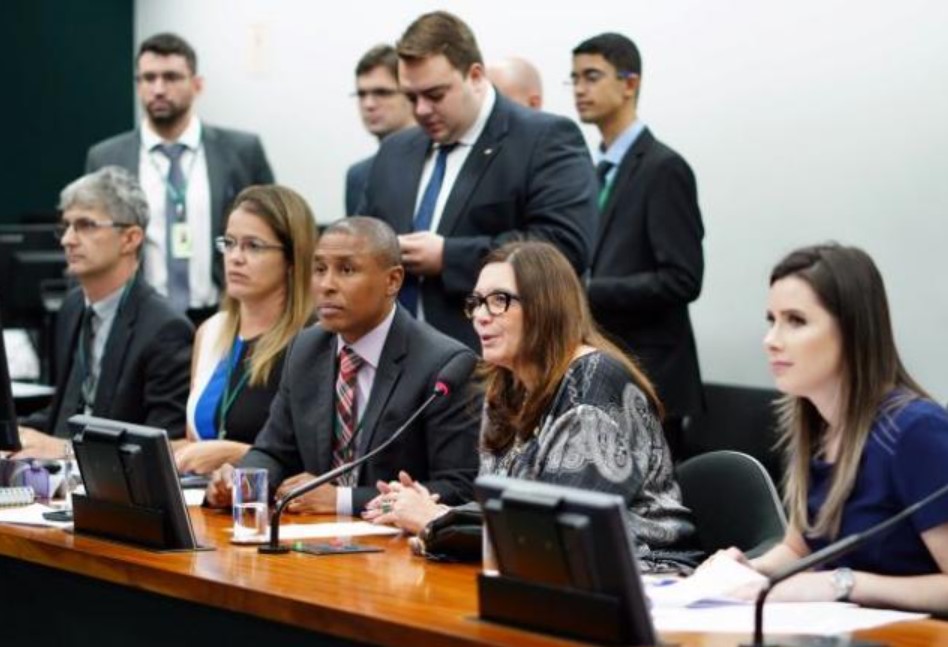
(102, 590)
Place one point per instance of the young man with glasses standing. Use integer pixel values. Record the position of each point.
(383, 108)
(121, 351)
(648, 261)
(480, 171)
(190, 171)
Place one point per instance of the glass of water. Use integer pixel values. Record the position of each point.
(251, 514)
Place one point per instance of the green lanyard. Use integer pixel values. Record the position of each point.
(178, 198)
(229, 397)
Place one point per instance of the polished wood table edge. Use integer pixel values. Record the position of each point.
(236, 578)
(147, 570)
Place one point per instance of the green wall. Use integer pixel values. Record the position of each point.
(69, 85)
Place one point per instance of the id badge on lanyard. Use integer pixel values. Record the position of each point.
(182, 242)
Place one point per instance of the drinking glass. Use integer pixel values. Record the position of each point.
(251, 518)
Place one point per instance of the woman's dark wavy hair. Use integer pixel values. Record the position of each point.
(556, 322)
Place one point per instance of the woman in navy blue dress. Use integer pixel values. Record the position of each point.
(862, 439)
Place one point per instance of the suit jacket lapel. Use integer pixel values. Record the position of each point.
(218, 170)
(128, 156)
(324, 413)
(386, 377)
(415, 158)
(216, 173)
(65, 358)
(72, 313)
(116, 346)
(485, 150)
(624, 175)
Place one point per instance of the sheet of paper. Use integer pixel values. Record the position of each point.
(30, 515)
(323, 530)
(710, 584)
(193, 497)
(812, 618)
(27, 390)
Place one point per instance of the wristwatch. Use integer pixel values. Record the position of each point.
(843, 583)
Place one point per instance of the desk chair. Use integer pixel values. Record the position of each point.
(734, 502)
(739, 418)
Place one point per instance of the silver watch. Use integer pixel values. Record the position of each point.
(843, 582)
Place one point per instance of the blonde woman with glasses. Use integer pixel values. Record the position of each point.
(238, 356)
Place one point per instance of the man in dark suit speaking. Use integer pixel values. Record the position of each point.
(648, 263)
(478, 172)
(121, 351)
(190, 171)
(351, 381)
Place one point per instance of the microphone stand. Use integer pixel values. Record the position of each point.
(273, 547)
(827, 554)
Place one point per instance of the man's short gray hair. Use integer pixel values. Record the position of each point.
(111, 189)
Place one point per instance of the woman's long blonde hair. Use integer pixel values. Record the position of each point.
(556, 322)
(287, 214)
(848, 284)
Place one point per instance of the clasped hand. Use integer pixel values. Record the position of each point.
(404, 503)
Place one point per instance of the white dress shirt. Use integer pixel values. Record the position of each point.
(153, 168)
(369, 347)
(453, 164)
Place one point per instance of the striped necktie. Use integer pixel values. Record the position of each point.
(346, 411)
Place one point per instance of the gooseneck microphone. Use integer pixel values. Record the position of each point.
(829, 553)
(454, 373)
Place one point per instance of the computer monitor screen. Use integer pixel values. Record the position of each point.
(9, 435)
(131, 484)
(569, 539)
(33, 267)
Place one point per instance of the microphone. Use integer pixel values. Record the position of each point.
(829, 553)
(455, 372)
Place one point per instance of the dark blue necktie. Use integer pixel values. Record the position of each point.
(179, 287)
(429, 199)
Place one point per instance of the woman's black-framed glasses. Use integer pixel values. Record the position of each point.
(496, 302)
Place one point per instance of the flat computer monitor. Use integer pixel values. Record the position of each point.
(558, 548)
(9, 434)
(33, 267)
(131, 485)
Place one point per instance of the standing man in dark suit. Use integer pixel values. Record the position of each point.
(480, 171)
(351, 381)
(383, 108)
(121, 351)
(189, 170)
(648, 262)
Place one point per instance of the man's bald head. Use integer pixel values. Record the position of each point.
(518, 80)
